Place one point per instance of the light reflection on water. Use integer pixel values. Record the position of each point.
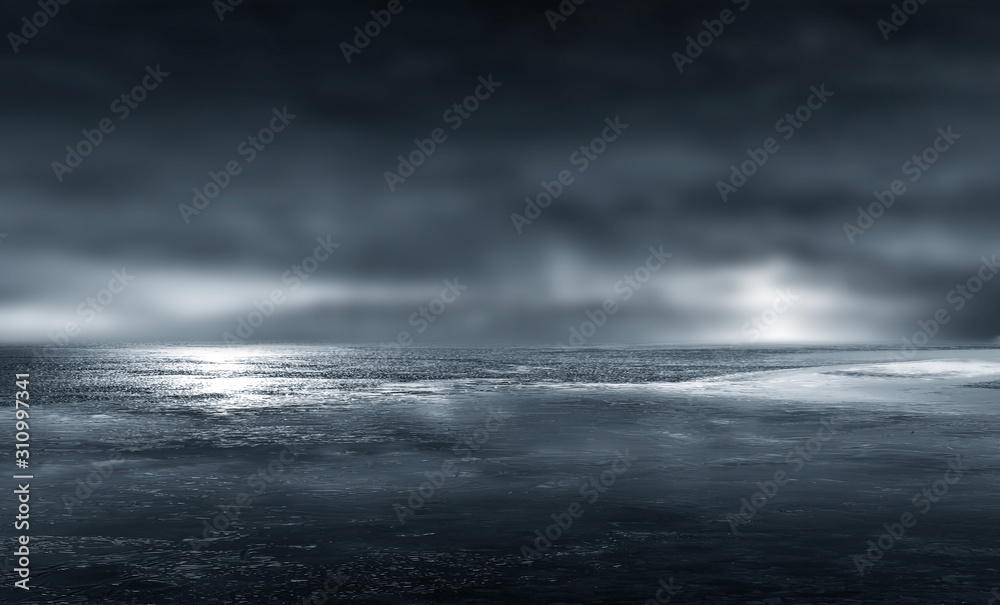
(193, 423)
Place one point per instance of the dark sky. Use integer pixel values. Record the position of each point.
(324, 174)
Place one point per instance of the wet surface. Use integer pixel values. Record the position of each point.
(220, 475)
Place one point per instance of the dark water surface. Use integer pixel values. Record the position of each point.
(312, 452)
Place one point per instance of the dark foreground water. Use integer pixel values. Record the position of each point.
(271, 474)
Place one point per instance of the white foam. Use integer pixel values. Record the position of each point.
(933, 385)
